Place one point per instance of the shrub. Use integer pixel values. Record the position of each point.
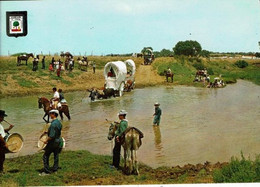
(239, 171)
(241, 64)
(198, 66)
(210, 71)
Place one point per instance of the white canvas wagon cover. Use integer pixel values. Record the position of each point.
(130, 63)
(118, 71)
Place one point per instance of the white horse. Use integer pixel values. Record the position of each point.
(131, 141)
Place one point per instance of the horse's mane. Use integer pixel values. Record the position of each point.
(44, 98)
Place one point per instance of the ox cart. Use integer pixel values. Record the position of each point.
(148, 57)
(119, 76)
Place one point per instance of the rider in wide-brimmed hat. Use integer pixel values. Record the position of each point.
(122, 126)
(3, 146)
(157, 114)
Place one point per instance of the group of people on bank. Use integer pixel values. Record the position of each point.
(54, 142)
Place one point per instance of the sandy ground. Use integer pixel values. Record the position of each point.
(146, 76)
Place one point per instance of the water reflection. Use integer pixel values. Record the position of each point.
(158, 141)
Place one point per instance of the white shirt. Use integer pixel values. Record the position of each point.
(2, 131)
(56, 95)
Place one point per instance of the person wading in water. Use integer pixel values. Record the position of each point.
(157, 114)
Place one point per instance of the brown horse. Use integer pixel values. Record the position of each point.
(23, 57)
(167, 75)
(45, 104)
(131, 141)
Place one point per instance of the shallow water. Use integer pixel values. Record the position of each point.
(198, 124)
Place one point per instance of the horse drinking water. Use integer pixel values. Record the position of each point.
(45, 104)
(131, 141)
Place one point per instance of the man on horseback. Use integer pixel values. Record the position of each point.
(56, 98)
(62, 99)
(122, 126)
(169, 71)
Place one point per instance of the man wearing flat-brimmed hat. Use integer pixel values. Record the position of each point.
(157, 114)
(122, 126)
(53, 143)
(2, 141)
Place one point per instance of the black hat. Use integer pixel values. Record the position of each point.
(2, 113)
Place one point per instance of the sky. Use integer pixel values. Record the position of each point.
(100, 27)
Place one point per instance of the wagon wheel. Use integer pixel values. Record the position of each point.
(121, 89)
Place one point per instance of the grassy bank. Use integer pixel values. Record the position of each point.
(21, 80)
(84, 168)
(185, 68)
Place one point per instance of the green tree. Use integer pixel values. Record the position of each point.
(205, 53)
(187, 48)
(166, 53)
(16, 24)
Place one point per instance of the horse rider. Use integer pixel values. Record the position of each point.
(54, 143)
(62, 99)
(157, 114)
(169, 71)
(56, 98)
(122, 126)
(3, 146)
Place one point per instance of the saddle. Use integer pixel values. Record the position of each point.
(122, 137)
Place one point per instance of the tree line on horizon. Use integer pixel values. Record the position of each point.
(190, 48)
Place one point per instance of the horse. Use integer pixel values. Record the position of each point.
(23, 57)
(45, 104)
(131, 141)
(167, 75)
(68, 54)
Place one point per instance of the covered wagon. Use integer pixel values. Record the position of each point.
(119, 76)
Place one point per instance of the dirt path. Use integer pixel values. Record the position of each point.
(146, 76)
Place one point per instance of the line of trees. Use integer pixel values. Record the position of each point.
(193, 49)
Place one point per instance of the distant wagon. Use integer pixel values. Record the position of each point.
(148, 57)
(119, 76)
